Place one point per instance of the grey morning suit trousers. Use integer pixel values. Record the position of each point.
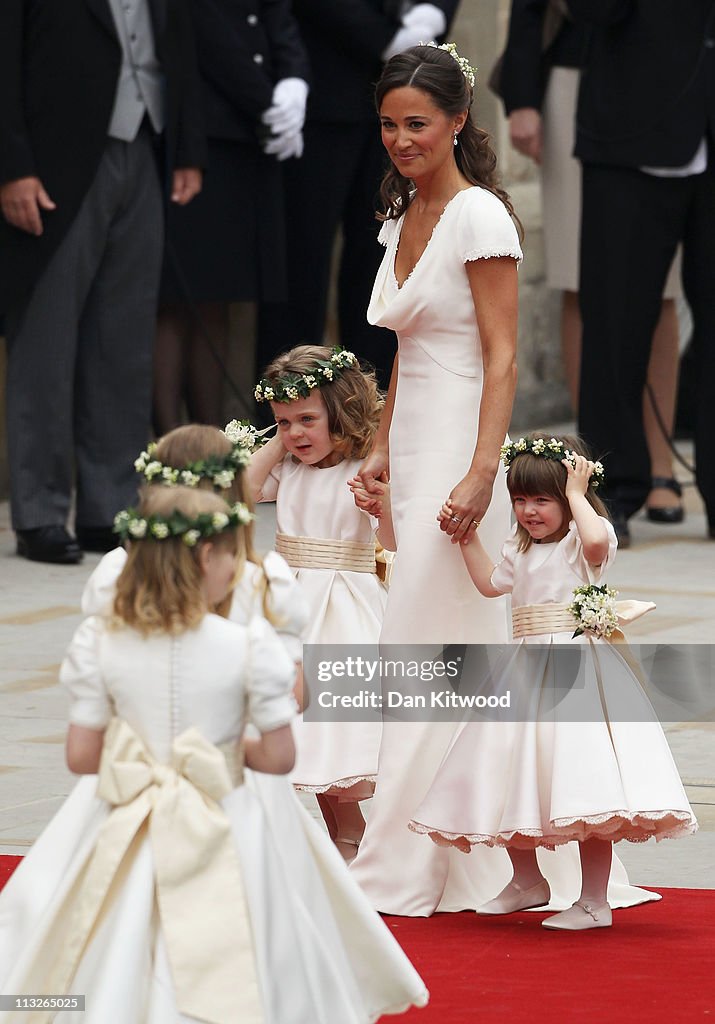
(79, 370)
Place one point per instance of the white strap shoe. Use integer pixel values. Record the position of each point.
(581, 916)
(514, 898)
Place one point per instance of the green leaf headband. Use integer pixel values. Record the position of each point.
(219, 469)
(553, 449)
(465, 67)
(129, 525)
(293, 386)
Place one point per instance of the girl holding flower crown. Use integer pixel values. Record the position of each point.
(595, 766)
(327, 410)
(166, 844)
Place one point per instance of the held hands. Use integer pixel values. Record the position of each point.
(285, 118)
(525, 132)
(467, 505)
(420, 24)
(185, 184)
(369, 502)
(374, 472)
(21, 202)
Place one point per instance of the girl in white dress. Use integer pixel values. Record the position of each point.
(157, 890)
(578, 771)
(327, 410)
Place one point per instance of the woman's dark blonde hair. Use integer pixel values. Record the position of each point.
(352, 400)
(531, 475)
(436, 73)
(197, 441)
(159, 590)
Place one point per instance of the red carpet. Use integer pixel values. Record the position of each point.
(656, 965)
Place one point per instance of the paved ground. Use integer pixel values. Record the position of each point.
(39, 609)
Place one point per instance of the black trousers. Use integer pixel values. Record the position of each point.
(631, 225)
(333, 186)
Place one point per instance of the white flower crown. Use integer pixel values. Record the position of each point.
(292, 386)
(219, 469)
(552, 449)
(130, 525)
(465, 67)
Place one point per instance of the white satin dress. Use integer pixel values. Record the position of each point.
(432, 600)
(345, 607)
(320, 952)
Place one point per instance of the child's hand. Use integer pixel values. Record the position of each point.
(366, 501)
(445, 513)
(577, 476)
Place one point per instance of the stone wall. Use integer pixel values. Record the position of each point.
(479, 31)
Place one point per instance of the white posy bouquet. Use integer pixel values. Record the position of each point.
(594, 609)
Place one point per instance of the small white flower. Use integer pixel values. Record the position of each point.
(121, 518)
(160, 530)
(224, 479)
(169, 475)
(141, 462)
(521, 445)
(269, 394)
(189, 479)
(292, 393)
(258, 393)
(137, 528)
(190, 537)
(242, 514)
(241, 434)
(240, 456)
(310, 380)
(219, 521)
(327, 372)
(538, 446)
(153, 469)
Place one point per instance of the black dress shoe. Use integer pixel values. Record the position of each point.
(623, 533)
(97, 538)
(666, 513)
(48, 544)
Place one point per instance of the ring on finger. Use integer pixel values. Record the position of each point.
(456, 519)
(475, 523)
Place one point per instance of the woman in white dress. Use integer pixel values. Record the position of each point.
(448, 287)
(166, 845)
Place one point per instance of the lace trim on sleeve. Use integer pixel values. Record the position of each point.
(488, 253)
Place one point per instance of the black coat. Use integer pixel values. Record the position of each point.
(648, 87)
(59, 65)
(345, 40)
(244, 47)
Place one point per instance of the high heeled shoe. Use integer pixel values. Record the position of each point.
(581, 916)
(666, 513)
(514, 898)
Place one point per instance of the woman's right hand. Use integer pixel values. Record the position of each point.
(373, 474)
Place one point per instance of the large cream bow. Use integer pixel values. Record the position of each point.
(199, 889)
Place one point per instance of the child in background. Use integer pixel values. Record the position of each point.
(327, 410)
(166, 845)
(563, 776)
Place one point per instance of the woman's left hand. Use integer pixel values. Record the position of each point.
(468, 503)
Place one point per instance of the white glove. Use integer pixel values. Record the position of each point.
(284, 146)
(405, 37)
(426, 15)
(287, 111)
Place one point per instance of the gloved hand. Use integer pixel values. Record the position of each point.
(287, 111)
(420, 24)
(284, 146)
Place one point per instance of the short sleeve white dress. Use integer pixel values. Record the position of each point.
(595, 764)
(346, 607)
(432, 599)
(315, 948)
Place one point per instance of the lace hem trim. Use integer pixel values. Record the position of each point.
(616, 825)
(338, 784)
(488, 254)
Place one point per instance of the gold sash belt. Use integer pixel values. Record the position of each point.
(324, 553)
(533, 619)
(199, 889)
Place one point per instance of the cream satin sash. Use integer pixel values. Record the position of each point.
(199, 890)
(325, 553)
(533, 619)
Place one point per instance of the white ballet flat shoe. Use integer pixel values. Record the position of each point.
(580, 916)
(347, 848)
(514, 898)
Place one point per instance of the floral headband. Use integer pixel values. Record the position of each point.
(553, 449)
(129, 525)
(293, 386)
(465, 67)
(219, 469)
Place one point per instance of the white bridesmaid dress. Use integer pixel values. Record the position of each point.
(432, 599)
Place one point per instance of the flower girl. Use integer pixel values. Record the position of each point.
(157, 891)
(568, 772)
(327, 410)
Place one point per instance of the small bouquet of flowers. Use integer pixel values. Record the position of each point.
(242, 434)
(594, 609)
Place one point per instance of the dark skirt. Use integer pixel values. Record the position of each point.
(228, 244)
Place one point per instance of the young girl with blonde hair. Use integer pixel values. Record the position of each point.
(166, 844)
(327, 410)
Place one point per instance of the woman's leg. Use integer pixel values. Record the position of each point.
(571, 343)
(172, 329)
(209, 340)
